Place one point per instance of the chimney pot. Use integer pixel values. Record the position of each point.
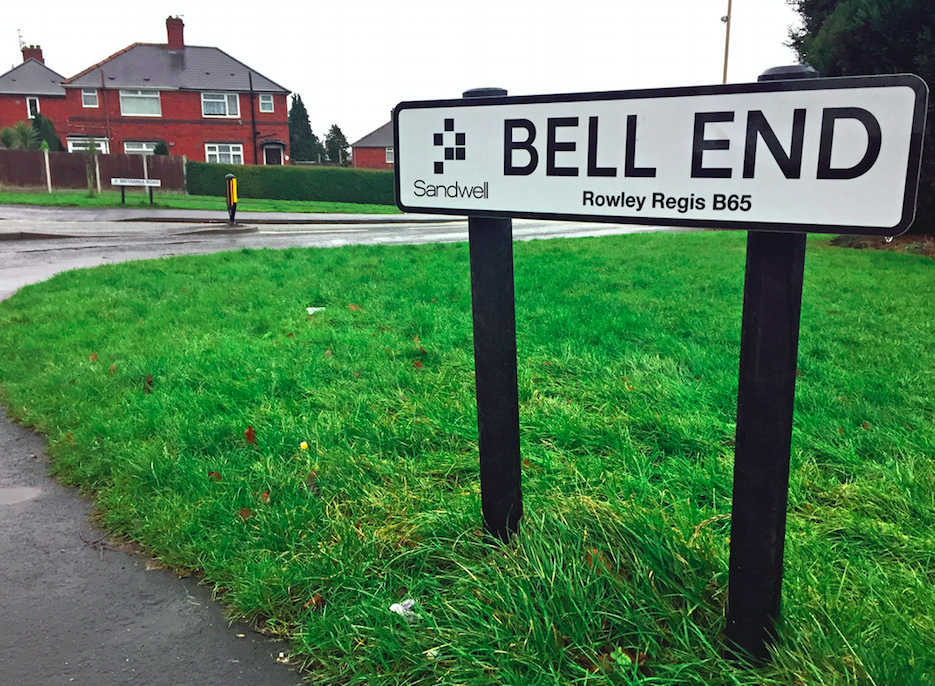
(32, 52)
(175, 27)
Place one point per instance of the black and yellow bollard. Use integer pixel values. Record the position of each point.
(231, 196)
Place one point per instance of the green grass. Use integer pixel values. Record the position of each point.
(628, 351)
(140, 200)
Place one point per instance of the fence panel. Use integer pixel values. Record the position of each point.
(26, 169)
(68, 170)
(22, 168)
(171, 170)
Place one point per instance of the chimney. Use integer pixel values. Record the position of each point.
(34, 52)
(175, 28)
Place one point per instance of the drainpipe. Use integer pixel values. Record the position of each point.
(106, 112)
(252, 116)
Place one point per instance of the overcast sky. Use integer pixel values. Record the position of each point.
(353, 60)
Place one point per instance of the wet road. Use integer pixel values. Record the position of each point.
(76, 612)
(33, 249)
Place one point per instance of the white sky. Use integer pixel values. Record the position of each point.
(353, 60)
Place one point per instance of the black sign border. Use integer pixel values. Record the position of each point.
(914, 82)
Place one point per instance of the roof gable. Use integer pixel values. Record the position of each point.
(147, 65)
(381, 138)
(31, 78)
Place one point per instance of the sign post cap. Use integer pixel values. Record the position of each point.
(484, 93)
(789, 71)
(230, 176)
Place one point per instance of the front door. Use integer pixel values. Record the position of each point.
(272, 154)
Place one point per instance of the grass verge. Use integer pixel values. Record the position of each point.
(138, 200)
(181, 392)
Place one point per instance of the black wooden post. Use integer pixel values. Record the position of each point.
(769, 341)
(494, 310)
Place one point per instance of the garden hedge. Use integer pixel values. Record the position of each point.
(327, 184)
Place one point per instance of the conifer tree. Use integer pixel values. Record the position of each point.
(859, 37)
(304, 144)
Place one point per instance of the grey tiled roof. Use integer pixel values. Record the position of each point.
(381, 138)
(31, 78)
(146, 65)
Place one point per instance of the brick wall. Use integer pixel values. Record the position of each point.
(181, 125)
(13, 109)
(371, 158)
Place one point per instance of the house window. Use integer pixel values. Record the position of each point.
(32, 107)
(139, 148)
(140, 103)
(220, 105)
(266, 103)
(83, 144)
(89, 97)
(224, 153)
(390, 155)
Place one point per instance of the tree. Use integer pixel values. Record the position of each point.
(304, 144)
(46, 131)
(856, 37)
(336, 145)
(20, 136)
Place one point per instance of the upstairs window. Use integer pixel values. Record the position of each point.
(266, 103)
(89, 97)
(390, 155)
(140, 103)
(32, 107)
(220, 105)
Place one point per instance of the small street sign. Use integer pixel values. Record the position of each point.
(156, 183)
(837, 155)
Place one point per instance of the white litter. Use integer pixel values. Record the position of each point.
(313, 310)
(404, 609)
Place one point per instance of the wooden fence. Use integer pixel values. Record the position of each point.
(63, 170)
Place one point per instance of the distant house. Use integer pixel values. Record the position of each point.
(200, 101)
(30, 89)
(376, 150)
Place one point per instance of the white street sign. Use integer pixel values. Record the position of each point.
(156, 183)
(808, 155)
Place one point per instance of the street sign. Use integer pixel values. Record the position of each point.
(156, 183)
(837, 155)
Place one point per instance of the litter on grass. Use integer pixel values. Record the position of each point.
(404, 609)
(313, 310)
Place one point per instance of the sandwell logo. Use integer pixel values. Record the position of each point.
(452, 152)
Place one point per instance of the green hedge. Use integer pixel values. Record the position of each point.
(328, 184)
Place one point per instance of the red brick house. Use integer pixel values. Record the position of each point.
(31, 88)
(376, 150)
(200, 101)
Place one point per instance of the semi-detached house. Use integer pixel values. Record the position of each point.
(31, 88)
(199, 101)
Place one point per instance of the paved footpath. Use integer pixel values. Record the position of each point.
(76, 612)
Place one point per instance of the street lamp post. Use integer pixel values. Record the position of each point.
(726, 20)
